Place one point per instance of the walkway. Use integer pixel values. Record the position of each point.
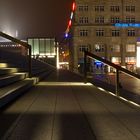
(63, 108)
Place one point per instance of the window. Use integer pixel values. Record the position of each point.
(80, 8)
(115, 20)
(83, 32)
(115, 32)
(83, 20)
(130, 59)
(100, 32)
(131, 32)
(115, 48)
(99, 8)
(116, 60)
(83, 48)
(83, 8)
(99, 48)
(130, 8)
(130, 48)
(114, 8)
(130, 19)
(99, 19)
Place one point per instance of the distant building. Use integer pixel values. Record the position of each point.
(43, 48)
(109, 29)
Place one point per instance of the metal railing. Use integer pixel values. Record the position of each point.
(118, 69)
(24, 44)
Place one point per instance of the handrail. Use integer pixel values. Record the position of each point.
(118, 68)
(26, 45)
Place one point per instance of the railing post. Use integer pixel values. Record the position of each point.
(117, 82)
(30, 62)
(85, 67)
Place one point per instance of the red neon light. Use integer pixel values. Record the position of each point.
(73, 6)
(69, 23)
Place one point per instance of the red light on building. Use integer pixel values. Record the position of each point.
(69, 23)
(73, 6)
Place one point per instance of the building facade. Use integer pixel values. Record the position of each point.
(107, 28)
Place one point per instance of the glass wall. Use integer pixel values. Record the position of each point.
(42, 46)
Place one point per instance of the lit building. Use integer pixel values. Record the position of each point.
(109, 29)
(43, 48)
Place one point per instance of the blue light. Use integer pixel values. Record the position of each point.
(66, 35)
(125, 25)
(97, 62)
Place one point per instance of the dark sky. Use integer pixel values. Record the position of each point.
(35, 18)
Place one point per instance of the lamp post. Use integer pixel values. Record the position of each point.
(57, 55)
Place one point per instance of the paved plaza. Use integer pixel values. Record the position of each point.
(62, 107)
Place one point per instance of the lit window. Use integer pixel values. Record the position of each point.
(130, 48)
(115, 48)
(99, 47)
(130, 59)
(116, 60)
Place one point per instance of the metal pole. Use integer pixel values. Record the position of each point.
(30, 63)
(117, 82)
(85, 67)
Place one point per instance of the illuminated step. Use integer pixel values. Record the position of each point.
(10, 92)
(3, 65)
(8, 79)
(8, 70)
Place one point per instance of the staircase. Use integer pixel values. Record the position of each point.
(14, 69)
(14, 81)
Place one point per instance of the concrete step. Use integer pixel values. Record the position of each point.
(8, 79)
(8, 70)
(10, 92)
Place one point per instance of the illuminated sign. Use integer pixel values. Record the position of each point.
(125, 25)
(97, 62)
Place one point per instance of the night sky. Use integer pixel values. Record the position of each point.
(35, 18)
